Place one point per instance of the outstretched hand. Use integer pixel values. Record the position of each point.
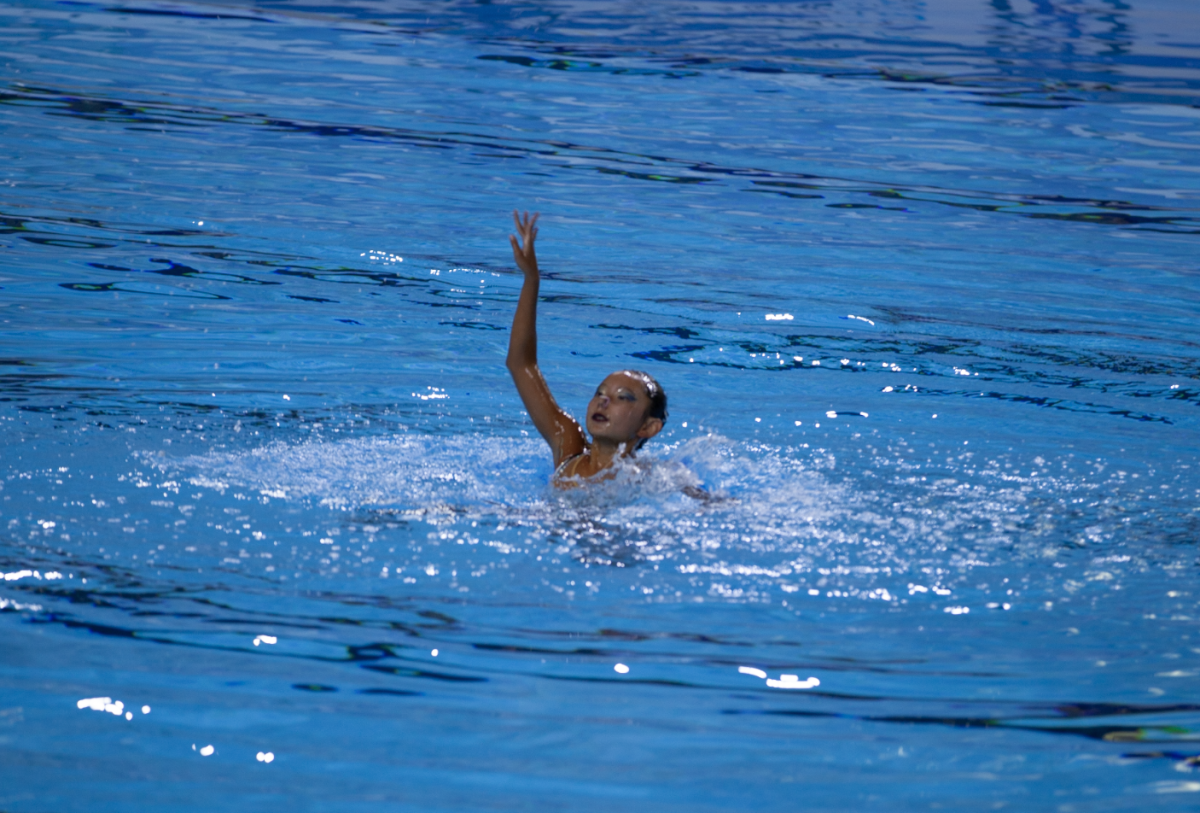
(523, 253)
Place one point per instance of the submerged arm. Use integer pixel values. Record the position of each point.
(556, 426)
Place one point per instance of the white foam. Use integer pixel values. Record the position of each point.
(736, 520)
(409, 470)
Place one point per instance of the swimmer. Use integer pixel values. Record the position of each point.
(629, 406)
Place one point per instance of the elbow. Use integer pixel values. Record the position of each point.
(517, 360)
(520, 368)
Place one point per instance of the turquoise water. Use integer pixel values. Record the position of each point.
(919, 278)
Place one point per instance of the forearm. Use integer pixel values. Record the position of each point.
(522, 342)
(563, 434)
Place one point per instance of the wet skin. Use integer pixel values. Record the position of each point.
(618, 411)
(617, 415)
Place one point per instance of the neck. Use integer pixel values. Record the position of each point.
(605, 452)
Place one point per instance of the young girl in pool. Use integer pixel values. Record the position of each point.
(629, 406)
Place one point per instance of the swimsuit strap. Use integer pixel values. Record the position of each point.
(563, 465)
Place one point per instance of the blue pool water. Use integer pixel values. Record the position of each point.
(920, 279)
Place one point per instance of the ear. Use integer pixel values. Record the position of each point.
(650, 428)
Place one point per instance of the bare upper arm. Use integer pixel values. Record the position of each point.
(560, 430)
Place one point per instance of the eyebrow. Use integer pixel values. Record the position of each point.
(619, 392)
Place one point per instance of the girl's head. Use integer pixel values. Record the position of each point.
(629, 406)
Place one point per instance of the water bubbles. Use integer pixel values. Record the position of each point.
(705, 518)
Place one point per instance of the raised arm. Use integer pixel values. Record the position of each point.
(563, 434)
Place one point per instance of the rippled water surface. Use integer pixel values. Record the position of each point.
(920, 279)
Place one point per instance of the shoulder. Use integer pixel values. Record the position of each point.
(569, 441)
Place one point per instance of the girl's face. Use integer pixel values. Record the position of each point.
(618, 411)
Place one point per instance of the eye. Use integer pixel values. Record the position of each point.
(625, 396)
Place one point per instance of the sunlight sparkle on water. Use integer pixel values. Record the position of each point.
(1003, 622)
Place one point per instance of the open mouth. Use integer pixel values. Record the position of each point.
(599, 418)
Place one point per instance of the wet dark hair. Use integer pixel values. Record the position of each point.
(658, 397)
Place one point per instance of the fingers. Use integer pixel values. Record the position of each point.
(523, 246)
(525, 224)
(520, 253)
